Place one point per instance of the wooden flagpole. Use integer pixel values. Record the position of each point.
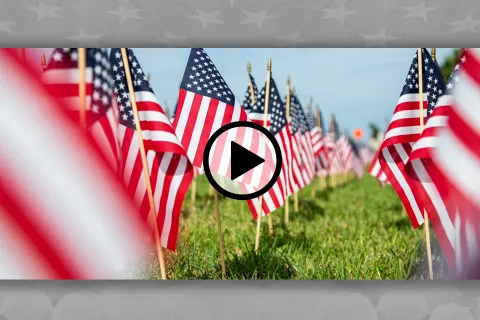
(82, 87)
(287, 107)
(220, 233)
(265, 119)
(44, 62)
(426, 226)
(295, 195)
(143, 154)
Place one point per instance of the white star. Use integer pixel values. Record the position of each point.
(379, 39)
(467, 24)
(125, 13)
(338, 13)
(45, 11)
(170, 40)
(420, 11)
(257, 18)
(295, 38)
(84, 39)
(208, 17)
(6, 26)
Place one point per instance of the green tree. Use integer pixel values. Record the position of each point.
(449, 63)
(374, 130)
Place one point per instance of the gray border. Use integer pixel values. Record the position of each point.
(236, 23)
(242, 299)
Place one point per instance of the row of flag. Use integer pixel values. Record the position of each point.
(131, 157)
(430, 155)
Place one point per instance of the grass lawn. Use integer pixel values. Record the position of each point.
(355, 231)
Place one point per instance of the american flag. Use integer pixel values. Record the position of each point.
(456, 158)
(442, 212)
(345, 151)
(205, 104)
(321, 159)
(62, 79)
(64, 213)
(305, 141)
(404, 131)
(170, 170)
(251, 90)
(300, 174)
(315, 133)
(357, 164)
(275, 197)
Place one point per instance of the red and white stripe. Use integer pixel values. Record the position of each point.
(455, 169)
(64, 214)
(402, 133)
(345, 151)
(276, 196)
(170, 170)
(317, 141)
(375, 169)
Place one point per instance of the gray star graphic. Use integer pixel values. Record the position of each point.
(257, 18)
(171, 40)
(420, 11)
(44, 11)
(378, 39)
(6, 26)
(338, 13)
(125, 13)
(232, 2)
(295, 38)
(208, 17)
(85, 39)
(467, 24)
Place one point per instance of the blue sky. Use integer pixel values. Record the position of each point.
(357, 85)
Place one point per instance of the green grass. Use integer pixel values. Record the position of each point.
(355, 231)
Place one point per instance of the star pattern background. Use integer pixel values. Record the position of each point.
(234, 23)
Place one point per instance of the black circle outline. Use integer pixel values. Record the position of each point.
(278, 155)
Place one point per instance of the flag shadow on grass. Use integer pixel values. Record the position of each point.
(308, 210)
(267, 263)
(419, 266)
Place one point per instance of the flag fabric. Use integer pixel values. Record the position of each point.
(251, 91)
(280, 128)
(205, 104)
(62, 77)
(404, 130)
(357, 164)
(300, 172)
(446, 220)
(315, 133)
(304, 141)
(375, 169)
(456, 159)
(171, 172)
(65, 215)
(345, 151)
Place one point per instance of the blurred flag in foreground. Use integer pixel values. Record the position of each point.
(63, 213)
(457, 163)
(62, 77)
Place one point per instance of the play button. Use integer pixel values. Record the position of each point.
(242, 160)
